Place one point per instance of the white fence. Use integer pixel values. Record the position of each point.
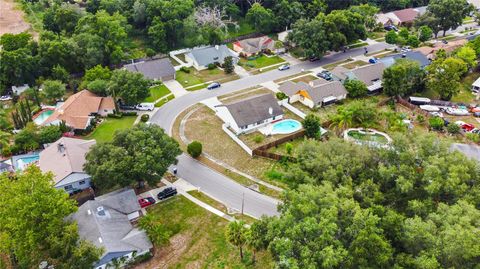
(237, 140)
(293, 109)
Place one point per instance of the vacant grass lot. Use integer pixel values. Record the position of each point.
(197, 240)
(261, 61)
(156, 93)
(196, 77)
(105, 131)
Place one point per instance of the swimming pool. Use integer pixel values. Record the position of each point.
(42, 116)
(24, 161)
(286, 126)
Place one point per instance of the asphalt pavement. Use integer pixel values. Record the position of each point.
(216, 185)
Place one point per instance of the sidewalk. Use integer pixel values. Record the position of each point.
(175, 87)
(241, 71)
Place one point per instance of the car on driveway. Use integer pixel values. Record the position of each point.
(325, 74)
(145, 106)
(166, 193)
(144, 202)
(391, 27)
(213, 85)
(284, 67)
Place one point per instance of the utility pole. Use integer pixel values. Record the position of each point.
(243, 201)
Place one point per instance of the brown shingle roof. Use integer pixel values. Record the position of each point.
(406, 15)
(78, 107)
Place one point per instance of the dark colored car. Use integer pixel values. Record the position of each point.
(166, 193)
(444, 41)
(144, 202)
(214, 85)
(476, 114)
(391, 27)
(127, 107)
(313, 59)
(326, 75)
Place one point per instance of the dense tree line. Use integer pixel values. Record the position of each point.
(414, 205)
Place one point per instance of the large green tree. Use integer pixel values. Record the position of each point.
(53, 89)
(131, 87)
(404, 77)
(449, 13)
(137, 155)
(262, 19)
(34, 225)
(444, 76)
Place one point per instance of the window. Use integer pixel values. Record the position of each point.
(68, 188)
(81, 182)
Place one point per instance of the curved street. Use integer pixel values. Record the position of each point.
(213, 183)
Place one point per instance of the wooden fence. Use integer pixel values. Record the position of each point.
(262, 151)
(412, 107)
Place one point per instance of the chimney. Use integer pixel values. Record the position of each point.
(60, 147)
(270, 110)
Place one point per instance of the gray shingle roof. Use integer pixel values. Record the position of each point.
(110, 228)
(412, 55)
(205, 56)
(155, 69)
(317, 89)
(368, 73)
(254, 109)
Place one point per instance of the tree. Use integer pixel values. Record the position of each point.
(403, 78)
(99, 87)
(444, 76)
(429, 20)
(468, 55)
(369, 13)
(413, 41)
(154, 229)
(11, 42)
(424, 33)
(344, 27)
(256, 239)
(131, 87)
(287, 13)
(26, 200)
(436, 123)
(453, 128)
(311, 36)
(311, 124)
(97, 72)
(194, 149)
(237, 235)
(356, 88)
(49, 134)
(260, 18)
(27, 138)
(158, 35)
(228, 65)
(53, 89)
(59, 73)
(140, 154)
(450, 13)
(391, 37)
(61, 18)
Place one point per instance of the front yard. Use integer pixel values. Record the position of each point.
(260, 62)
(156, 93)
(197, 240)
(104, 131)
(203, 77)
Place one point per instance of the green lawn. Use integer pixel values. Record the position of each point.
(105, 131)
(156, 93)
(260, 62)
(200, 77)
(464, 96)
(164, 101)
(199, 239)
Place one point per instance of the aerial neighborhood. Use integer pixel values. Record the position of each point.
(239, 134)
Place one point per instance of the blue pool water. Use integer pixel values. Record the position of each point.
(42, 116)
(286, 126)
(24, 161)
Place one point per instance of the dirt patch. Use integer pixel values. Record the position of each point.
(166, 256)
(12, 19)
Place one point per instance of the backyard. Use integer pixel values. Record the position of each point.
(197, 240)
(104, 131)
(260, 61)
(156, 93)
(203, 77)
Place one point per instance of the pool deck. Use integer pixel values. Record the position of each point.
(39, 113)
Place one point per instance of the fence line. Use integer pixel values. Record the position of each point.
(262, 150)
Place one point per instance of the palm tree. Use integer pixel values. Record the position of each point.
(256, 237)
(237, 235)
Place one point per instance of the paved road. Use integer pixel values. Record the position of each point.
(217, 185)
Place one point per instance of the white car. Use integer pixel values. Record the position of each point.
(145, 106)
(5, 98)
(460, 123)
(284, 67)
(457, 111)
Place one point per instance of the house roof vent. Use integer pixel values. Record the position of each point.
(89, 212)
(100, 211)
(270, 110)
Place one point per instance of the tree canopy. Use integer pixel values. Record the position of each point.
(403, 78)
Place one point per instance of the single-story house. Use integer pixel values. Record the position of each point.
(17, 90)
(417, 56)
(339, 73)
(65, 159)
(403, 17)
(106, 223)
(78, 110)
(253, 46)
(316, 93)
(449, 47)
(251, 113)
(370, 74)
(159, 69)
(202, 57)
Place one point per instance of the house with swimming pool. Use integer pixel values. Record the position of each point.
(250, 114)
(65, 159)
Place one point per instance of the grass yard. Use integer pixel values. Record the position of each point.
(305, 79)
(156, 93)
(105, 131)
(164, 100)
(464, 96)
(281, 149)
(197, 240)
(352, 65)
(358, 45)
(202, 77)
(261, 61)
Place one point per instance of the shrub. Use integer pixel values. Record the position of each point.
(129, 113)
(185, 69)
(453, 128)
(258, 139)
(150, 52)
(281, 95)
(436, 123)
(144, 117)
(356, 88)
(194, 149)
(6, 151)
(289, 148)
(473, 137)
(114, 115)
(311, 124)
(420, 118)
(211, 66)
